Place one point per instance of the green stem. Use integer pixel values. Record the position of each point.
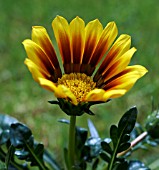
(71, 145)
(18, 167)
(110, 166)
(36, 158)
(133, 143)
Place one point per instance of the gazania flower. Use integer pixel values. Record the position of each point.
(95, 65)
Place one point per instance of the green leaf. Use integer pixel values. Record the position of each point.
(64, 121)
(122, 166)
(86, 153)
(2, 166)
(4, 136)
(105, 157)
(22, 139)
(51, 161)
(95, 146)
(95, 164)
(80, 138)
(38, 151)
(20, 135)
(123, 147)
(152, 124)
(6, 121)
(114, 134)
(125, 138)
(22, 154)
(9, 155)
(119, 134)
(127, 122)
(106, 147)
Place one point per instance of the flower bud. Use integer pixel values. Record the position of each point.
(152, 124)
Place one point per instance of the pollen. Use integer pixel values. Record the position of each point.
(79, 84)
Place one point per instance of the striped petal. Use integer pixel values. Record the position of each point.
(121, 45)
(113, 94)
(127, 78)
(93, 32)
(41, 37)
(77, 33)
(62, 35)
(119, 64)
(102, 95)
(38, 56)
(36, 71)
(60, 91)
(95, 95)
(107, 37)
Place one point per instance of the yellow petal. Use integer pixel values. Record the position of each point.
(119, 65)
(128, 78)
(35, 70)
(95, 95)
(121, 45)
(102, 95)
(62, 35)
(113, 94)
(41, 37)
(37, 55)
(107, 37)
(47, 84)
(60, 91)
(68, 94)
(93, 32)
(77, 32)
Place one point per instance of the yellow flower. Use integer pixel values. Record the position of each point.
(95, 65)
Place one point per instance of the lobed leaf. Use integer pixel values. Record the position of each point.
(105, 157)
(114, 134)
(123, 147)
(20, 135)
(106, 147)
(127, 122)
(9, 155)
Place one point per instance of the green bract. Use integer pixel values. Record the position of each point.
(152, 124)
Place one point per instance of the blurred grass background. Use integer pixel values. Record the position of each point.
(24, 99)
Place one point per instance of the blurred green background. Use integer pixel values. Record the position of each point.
(24, 99)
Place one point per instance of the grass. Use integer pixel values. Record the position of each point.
(24, 99)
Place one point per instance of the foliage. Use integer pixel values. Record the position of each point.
(19, 150)
(16, 140)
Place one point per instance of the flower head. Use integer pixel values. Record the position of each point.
(95, 65)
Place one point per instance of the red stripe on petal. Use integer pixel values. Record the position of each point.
(77, 34)
(62, 35)
(40, 37)
(93, 32)
(127, 78)
(121, 45)
(106, 39)
(119, 65)
(39, 57)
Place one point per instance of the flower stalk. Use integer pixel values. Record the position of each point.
(71, 144)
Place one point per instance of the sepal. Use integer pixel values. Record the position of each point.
(74, 110)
